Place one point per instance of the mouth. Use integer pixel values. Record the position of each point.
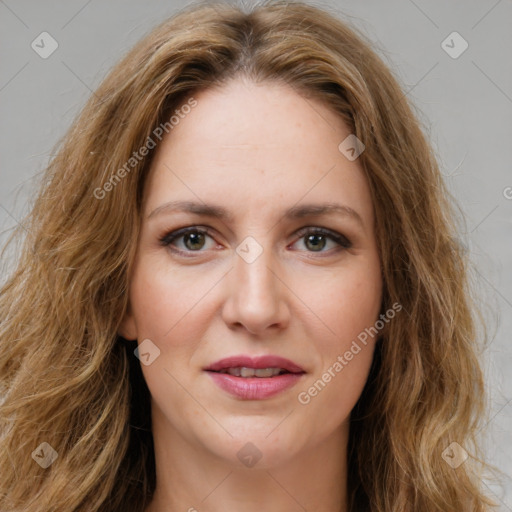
(248, 378)
(260, 373)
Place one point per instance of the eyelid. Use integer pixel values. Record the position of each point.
(170, 236)
(340, 239)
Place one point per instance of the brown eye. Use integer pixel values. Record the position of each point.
(187, 240)
(194, 240)
(317, 239)
(315, 242)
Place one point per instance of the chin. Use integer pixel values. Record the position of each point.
(257, 445)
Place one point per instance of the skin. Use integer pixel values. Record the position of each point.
(256, 150)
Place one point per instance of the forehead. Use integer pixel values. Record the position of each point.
(247, 145)
(242, 116)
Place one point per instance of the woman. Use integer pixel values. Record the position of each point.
(241, 288)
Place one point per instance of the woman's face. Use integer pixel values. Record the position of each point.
(254, 166)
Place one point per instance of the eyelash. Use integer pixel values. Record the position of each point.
(170, 237)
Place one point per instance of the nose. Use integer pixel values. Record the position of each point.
(256, 295)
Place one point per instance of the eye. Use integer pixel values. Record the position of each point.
(194, 239)
(316, 239)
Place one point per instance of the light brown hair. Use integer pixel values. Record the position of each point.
(67, 377)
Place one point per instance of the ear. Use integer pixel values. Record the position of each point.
(128, 327)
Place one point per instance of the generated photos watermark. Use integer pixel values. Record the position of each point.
(305, 397)
(138, 156)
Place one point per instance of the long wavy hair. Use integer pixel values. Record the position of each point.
(68, 378)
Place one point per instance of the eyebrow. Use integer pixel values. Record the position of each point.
(219, 212)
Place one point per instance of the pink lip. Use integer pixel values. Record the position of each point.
(255, 388)
(255, 362)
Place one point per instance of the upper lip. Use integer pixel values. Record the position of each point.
(242, 361)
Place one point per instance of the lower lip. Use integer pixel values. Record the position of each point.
(254, 388)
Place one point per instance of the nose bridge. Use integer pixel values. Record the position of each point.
(256, 295)
(254, 266)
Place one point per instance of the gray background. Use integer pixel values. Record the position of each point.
(466, 106)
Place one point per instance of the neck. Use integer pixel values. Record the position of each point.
(191, 478)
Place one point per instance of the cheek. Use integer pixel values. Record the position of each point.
(165, 305)
(328, 399)
(329, 395)
(355, 309)
(348, 307)
(345, 302)
(164, 299)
